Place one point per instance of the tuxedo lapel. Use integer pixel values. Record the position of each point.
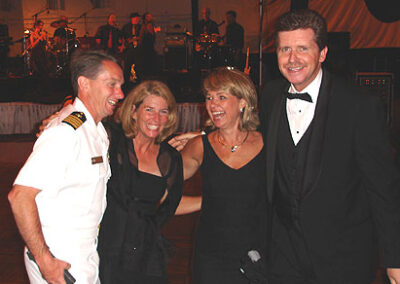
(317, 140)
(272, 138)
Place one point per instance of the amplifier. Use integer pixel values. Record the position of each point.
(382, 85)
(175, 40)
(175, 58)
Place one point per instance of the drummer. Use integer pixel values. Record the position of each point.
(206, 25)
(60, 33)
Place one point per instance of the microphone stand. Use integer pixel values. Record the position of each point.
(84, 19)
(35, 16)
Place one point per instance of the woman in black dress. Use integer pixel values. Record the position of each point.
(231, 160)
(144, 190)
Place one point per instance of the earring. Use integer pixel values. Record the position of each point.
(242, 109)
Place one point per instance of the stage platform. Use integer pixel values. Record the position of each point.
(25, 117)
(26, 101)
(184, 84)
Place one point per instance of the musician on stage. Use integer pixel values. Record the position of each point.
(60, 33)
(109, 37)
(234, 39)
(147, 40)
(130, 33)
(206, 25)
(38, 44)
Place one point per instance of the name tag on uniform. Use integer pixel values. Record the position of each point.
(96, 160)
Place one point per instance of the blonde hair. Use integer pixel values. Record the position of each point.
(238, 84)
(136, 98)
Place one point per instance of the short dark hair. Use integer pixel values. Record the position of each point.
(87, 63)
(134, 15)
(303, 19)
(232, 13)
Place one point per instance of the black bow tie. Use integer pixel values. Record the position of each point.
(302, 96)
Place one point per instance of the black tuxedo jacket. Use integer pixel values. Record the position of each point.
(351, 186)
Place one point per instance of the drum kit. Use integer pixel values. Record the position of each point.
(58, 49)
(61, 47)
(212, 51)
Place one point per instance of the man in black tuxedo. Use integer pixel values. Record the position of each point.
(331, 178)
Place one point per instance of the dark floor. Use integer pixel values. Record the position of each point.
(184, 85)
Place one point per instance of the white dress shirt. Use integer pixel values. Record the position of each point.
(300, 113)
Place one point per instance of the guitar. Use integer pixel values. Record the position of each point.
(133, 41)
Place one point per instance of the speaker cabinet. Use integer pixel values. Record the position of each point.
(382, 85)
(175, 58)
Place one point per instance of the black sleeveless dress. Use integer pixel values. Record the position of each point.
(130, 244)
(232, 220)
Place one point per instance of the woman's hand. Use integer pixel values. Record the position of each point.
(179, 142)
(45, 123)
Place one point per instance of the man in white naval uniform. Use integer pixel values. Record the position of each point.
(58, 197)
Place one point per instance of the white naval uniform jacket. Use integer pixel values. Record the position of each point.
(70, 167)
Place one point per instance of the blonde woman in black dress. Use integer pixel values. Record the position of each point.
(231, 161)
(144, 190)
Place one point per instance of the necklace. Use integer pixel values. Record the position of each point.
(233, 147)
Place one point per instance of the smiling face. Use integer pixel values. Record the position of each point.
(101, 95)
(299, 57)
(151, 117)
(224, 109)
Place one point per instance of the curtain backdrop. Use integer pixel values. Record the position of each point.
(342, 16)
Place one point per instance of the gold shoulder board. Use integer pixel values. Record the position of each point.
(75, 119)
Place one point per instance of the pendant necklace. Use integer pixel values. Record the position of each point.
(233, 147)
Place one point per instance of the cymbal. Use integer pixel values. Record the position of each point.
(56, 24)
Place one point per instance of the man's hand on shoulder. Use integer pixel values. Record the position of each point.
(46, 122)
